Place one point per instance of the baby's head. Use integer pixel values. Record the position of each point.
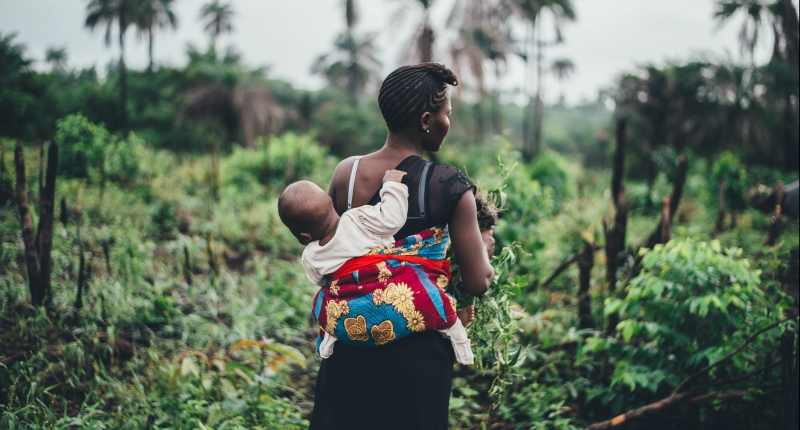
(307, 210)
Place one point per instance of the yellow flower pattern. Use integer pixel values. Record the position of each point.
(335, 287)
(415, 321)
(441, 282)
(334, 310)
(378, 297)
(383, 333)
(356, 328)
(383, 272)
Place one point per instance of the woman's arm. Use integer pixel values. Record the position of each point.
(471, 246)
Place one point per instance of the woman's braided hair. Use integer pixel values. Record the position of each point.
(410, 91)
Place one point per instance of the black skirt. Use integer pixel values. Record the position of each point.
(404, 385)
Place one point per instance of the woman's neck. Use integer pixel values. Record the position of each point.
(402, 145)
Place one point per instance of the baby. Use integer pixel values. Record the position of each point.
(332, 240)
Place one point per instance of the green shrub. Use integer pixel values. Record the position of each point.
(122, 160)
(730, 169)
(692, 304)
(284, 159)
(82, 146)
(550, 169)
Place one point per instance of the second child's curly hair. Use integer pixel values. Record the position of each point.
(410, 91)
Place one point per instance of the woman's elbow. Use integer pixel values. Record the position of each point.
(481, 285)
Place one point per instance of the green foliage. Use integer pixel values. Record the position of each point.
(550, 169)
(692, 304)
(277, 162)
(82, 147)
(729, 169)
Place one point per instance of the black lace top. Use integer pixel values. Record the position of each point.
(445, 185)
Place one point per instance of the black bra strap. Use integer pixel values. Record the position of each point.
(421, 192)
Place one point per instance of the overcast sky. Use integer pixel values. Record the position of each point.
(608, 38)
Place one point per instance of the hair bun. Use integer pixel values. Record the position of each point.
(440, 73)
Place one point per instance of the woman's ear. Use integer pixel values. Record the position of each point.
(425, 121)
(304, 238)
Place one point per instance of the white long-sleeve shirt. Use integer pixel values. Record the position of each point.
(360, 230)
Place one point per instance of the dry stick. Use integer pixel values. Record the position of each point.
(676, 395)
(720, 204)
(41, 168)
(615, 243)
(28, 238)
(81, 280)
(665, 219)
(775, 220)
(585, 262)
(44, 235)
(561, 267)
(619, 160)
(730, 354)
(788, 374)
(674, 201)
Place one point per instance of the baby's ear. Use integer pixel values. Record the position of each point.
(304, 238)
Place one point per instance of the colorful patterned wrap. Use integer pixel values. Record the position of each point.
(393, 292)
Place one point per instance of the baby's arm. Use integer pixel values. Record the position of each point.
(388, 216)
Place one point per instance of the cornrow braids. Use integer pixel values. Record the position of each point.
(410, 91)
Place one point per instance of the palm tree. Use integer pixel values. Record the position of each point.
(123, 14)
(563, 68)
(57, 57)
(782, 15)
(754, 11)
(352, 64)
(483, 36)
(218, 18)
(152, 14)
(420, 47)
(531, 11)
(229, 95)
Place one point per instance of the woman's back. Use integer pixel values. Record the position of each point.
(405, 384)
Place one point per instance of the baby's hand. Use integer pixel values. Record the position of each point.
(393, 176)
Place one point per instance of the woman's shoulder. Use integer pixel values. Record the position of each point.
(452, 181)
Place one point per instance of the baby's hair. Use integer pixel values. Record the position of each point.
(410, 91)
(298, 210)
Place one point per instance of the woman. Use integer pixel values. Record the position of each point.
(406, 384)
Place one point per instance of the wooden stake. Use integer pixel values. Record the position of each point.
(585, 262)
(720, 204)
(665, 219)
(775, 219)
(28, 238)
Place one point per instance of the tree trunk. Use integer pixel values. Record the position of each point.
(425, 42)
(44, 234)
(720, 204)
(789, 380)
(619, 160)
(668, 213)
(123, 85)
(585, 263)
(539, 113)
(615, 244)
(790, 141)
(38, 295)
(150, 49)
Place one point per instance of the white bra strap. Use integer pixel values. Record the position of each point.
(352, 183)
